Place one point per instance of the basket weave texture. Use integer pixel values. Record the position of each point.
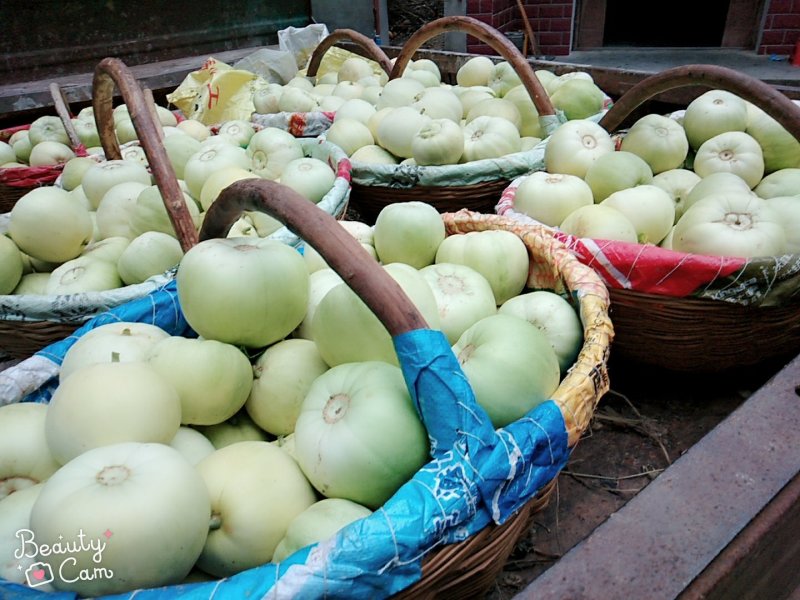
(685, 312)
(447, 532)
(691, 313)
(449, 188)
(15, 182)
(29, 323)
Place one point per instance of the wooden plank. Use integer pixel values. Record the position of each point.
(671, 532)
(761, 561)
(64, 38)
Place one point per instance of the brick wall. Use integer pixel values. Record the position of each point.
(781, 27)
(551, 21)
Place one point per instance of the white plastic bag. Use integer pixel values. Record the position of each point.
(275, 66)
(301, 41)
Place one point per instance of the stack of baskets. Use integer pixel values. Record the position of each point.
(710, 329)
(447, 532)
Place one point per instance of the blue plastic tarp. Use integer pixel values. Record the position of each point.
(476, 476)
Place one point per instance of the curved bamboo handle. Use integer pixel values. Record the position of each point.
(763, 95)
(370, 47)
(62, 110)
(488, 35)
(111, 71)
(343, 253)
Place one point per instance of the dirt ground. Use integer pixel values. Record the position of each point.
(647, 420)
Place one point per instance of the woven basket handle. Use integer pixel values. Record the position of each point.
(488, 35)
(371, 48)
(111, 71)
(763, 95)
(343, 253)
(62, 110)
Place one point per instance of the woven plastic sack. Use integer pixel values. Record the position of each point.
(215, 93)
(309, 124)
(491, 169)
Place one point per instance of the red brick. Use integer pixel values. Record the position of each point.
(547, 38)
(777, 7)
(532, 12)
(473, 7)
(539, 25)
(779, 50)
(786, 22)
(771, 37)
(507, 14)
(550, 11)
(480, 49)
(485, 6)
(560, 24)
(485, 17)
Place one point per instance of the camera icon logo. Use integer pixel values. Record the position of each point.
(38, 573)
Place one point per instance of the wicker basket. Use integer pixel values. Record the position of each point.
(696, 333)
(475, 185)
(312, 124)
(28, 326)
(368, 47)
(16, 182)
(51, 318)
(467, 568)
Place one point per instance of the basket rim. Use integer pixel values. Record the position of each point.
(586, 382)
(505, 207)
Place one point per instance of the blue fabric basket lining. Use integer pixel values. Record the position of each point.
(476, 476)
